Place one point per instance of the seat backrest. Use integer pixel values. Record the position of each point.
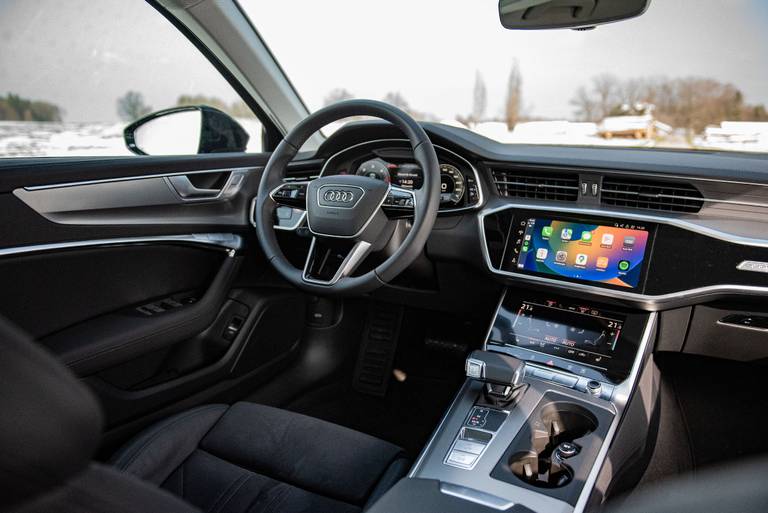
(50, 423)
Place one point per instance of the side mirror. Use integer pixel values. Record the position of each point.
(185, 130)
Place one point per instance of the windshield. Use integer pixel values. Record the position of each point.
(686, 74)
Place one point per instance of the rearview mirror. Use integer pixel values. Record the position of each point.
(575, 14)
(185, 130)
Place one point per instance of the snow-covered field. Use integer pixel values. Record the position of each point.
(25, 139)
(22, 139)
(29, 139)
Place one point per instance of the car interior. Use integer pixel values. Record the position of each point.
(400, 316)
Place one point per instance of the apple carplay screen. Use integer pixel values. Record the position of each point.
(612, 255)
(582, 339)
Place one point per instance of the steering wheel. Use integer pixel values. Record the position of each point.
(346, 214)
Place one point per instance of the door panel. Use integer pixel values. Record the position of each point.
(150, 287)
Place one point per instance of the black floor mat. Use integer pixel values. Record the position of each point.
(406, 416)
(723, 404)
(713, 411)
(431, 351)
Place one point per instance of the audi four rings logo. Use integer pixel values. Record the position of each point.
(337, 196)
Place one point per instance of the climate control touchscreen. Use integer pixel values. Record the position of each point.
(582, 339)
(612, 255)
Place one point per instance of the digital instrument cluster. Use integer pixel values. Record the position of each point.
(453, 184)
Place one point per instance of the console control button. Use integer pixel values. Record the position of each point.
(566, 450)
(594, 387)
(464, 459)
(478, 417)
(470, 447)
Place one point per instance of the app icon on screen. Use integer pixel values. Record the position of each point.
(602, 262)
(546, 232)
(561, 256)
(586, 236)
(541, 253)
(581, 259)
(629, 241)
(566, 234)
(607, 239)
(623, 265)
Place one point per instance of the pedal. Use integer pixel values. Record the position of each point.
(377, 350)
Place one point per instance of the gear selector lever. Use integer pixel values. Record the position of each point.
(502, 374)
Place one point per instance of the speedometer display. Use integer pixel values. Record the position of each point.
(451, 184)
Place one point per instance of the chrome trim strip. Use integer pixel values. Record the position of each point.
(228, 241)
(470, 494)
(741, 326)
(754, 266)
(645, 299)
(621, 395)
(140, 177)
(480, 193)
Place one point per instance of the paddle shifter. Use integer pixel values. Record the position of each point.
(502, 375)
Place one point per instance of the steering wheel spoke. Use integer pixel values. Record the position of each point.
(399, 202)
(291, 200)
(328, 261)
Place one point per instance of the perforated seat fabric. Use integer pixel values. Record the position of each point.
(254, 458)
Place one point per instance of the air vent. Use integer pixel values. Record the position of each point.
(651, 195)
(542, 185)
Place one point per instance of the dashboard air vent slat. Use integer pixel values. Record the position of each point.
(529, 184)
(651, 195)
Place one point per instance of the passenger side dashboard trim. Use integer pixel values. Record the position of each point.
(651, 302)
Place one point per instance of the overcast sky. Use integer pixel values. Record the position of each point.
(84, 54)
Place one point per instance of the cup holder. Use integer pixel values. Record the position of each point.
(558, 423)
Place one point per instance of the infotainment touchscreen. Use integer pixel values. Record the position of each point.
(608, 254)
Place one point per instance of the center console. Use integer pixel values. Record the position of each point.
(535, 438)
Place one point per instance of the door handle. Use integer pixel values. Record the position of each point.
(187, 190)
(218, 188)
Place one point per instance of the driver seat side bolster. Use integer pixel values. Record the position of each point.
(255, 458)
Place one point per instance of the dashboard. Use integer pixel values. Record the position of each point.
(645, 229)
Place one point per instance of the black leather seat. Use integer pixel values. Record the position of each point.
(217, 458)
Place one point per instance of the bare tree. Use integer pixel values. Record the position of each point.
(398, 100)
(585, 105)
(607, 93)
(514, 103)
(337, 95)
(131, 106)
(479, 98)
(690, 103)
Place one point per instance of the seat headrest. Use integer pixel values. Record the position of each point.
(50, 423)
